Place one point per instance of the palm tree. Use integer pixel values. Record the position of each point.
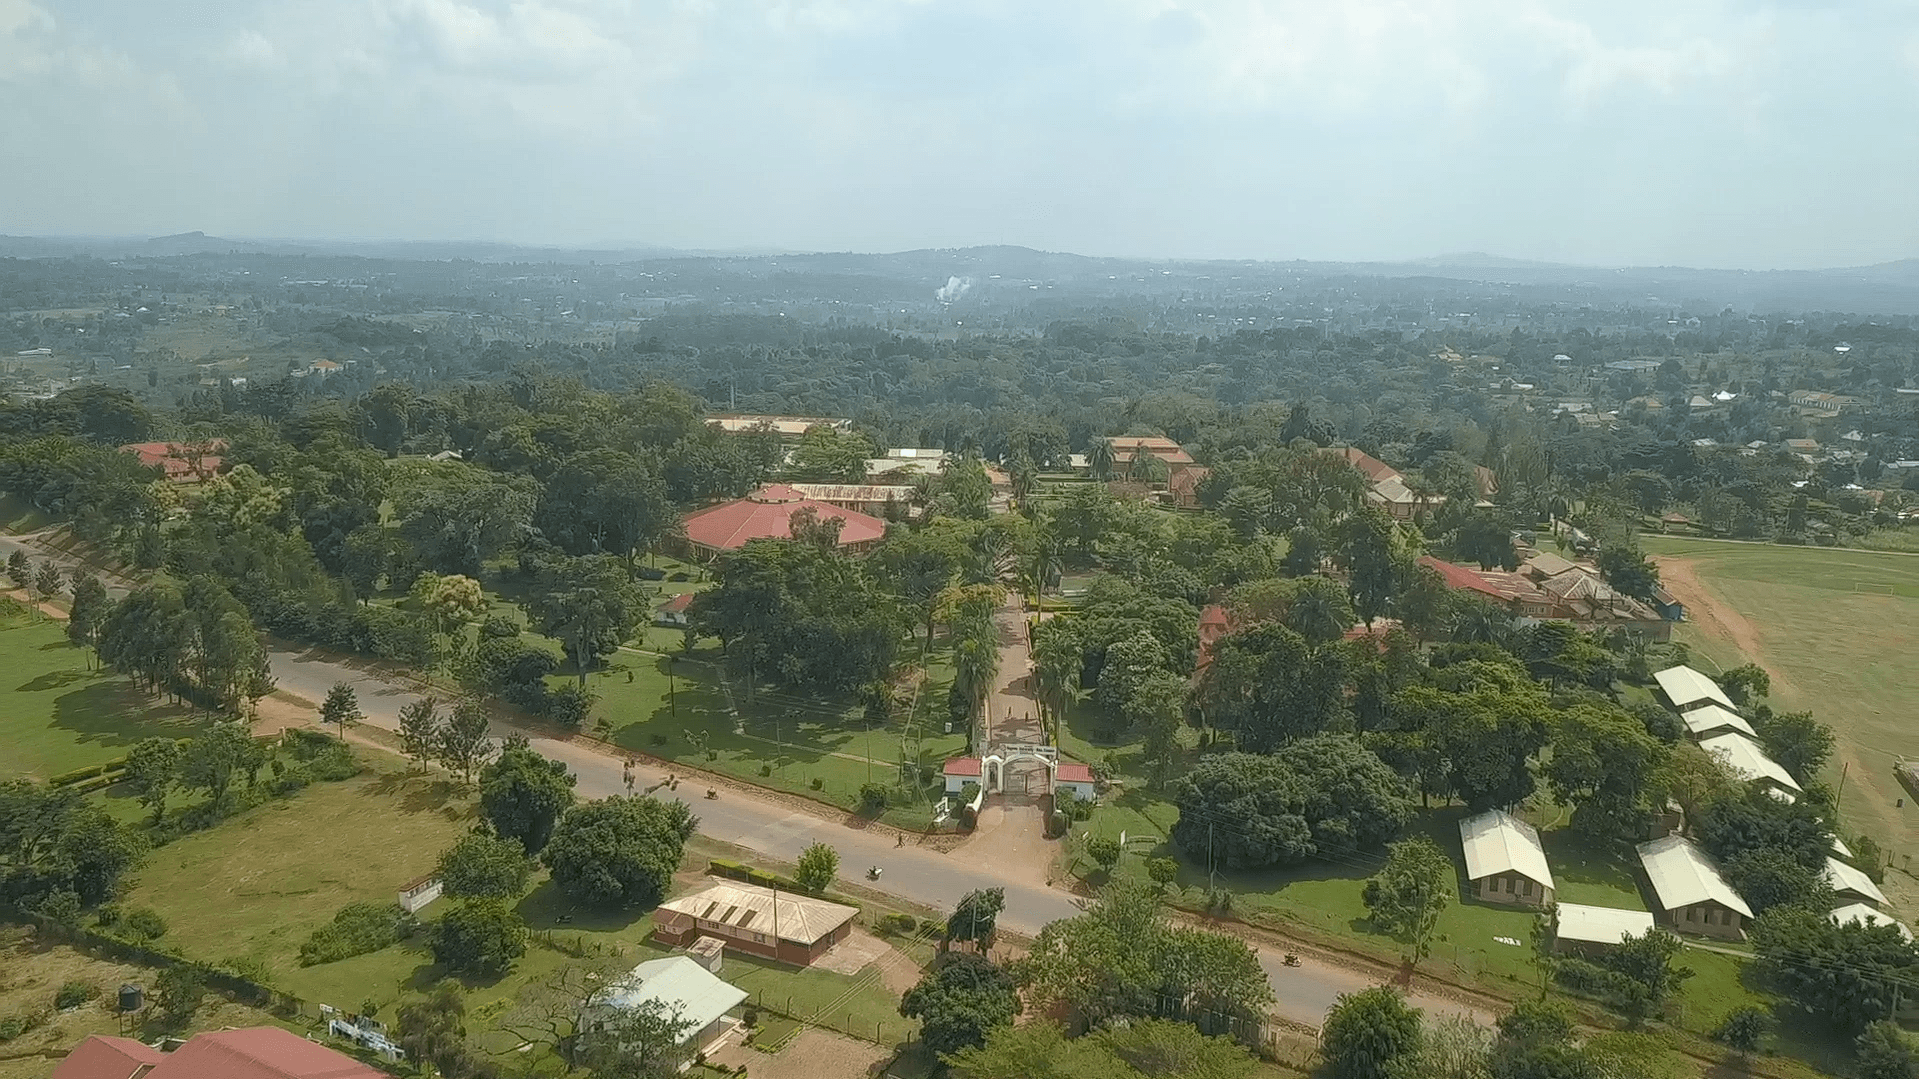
(1319, 611)
(1025, 475)
(1102, 459)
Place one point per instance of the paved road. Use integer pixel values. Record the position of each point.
(773, 828)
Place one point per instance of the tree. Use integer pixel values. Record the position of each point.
(1104, 851)
(645, 1040)
(1848, 976)
(1745, 1029)
(817, 867)
(419, 731)
(1326, 795)
(1606, 766)
(342, 707)
(1768, 878)
(180, 989)
(1139, 1049)
(1122, 958)
(433, 1029)
(1406, 897)
(1370, 565)
(91, 606)
(153, 766)
(619, 852)
(975, 918)
(523, 794)
(479, 936)
(1101, 459)
(47, 580)
(1628, 571)
(1319, 610)
(20, 568)
(1797, 741)
(465, 742)
(1746, 682)
(590, 605)
(1269, 684)
(1885, 1052)
(483, 866)
(959, 1000)
(214, 759)
(1369, 1033)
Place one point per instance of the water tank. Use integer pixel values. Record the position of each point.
(131, 998)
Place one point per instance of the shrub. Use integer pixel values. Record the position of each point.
(766, 769)
(357, 929)
(75, 993)
(873, 797)
(1745, 1028)
(484, 936)
(499, 627)
(145, 923)
(12, 1026)
(569, 705)
(818, 783)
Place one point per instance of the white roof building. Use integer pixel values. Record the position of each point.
(1683, 875)
(1600, 925)
(701, 998)
(1714, 719)
(1685, 687)
(1498, 842)
(1865, 915)
(801, 919)
(1852, 883)
(1748, 761)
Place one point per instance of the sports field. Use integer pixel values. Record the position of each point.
(1837, 630)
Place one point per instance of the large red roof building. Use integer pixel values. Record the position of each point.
(250, 1053)
(768, 514)
(183, 462)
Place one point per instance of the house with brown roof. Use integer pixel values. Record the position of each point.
(249, 1053)
(786, 926)
(1128, 447)
(768, 514)
(182, 462)
(1183, 489)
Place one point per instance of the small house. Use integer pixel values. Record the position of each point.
(1686, 688)
(1075, 777)
(1708, 721)
(1747, 761)
(703, 1001)
(786, 926)
(1505, 861)
(673, 611)
(1866, 915)
(1580, 928)
(1693, 897)
(1852, 885)
(960, 771)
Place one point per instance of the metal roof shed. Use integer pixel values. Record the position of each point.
(1685, 687)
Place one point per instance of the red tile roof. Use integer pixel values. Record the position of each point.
(962, 766)
(103, 1057)
(252, 1053)
(1073, 772)
(1461, 578)
(767, 514)
(178, 458)
(678, 603)
(1375, 469)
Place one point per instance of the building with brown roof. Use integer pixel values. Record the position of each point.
(249, 1053)
(182, 462)
(787, 427)
(786, 926)
(1127, 447)
(768, 514)
(1183, 487)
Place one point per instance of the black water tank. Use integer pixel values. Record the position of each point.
(131, 998)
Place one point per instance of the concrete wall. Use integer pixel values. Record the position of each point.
(1708, 919)
(1513, 889)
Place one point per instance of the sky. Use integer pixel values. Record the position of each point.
(1644, 132)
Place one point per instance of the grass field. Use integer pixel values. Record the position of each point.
(57, 713)
(1837, 630)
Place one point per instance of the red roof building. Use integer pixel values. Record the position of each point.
(1127, 447)
(1214, 622)
(1183, 488)
(768, 514)
(1460, 579)
(251, 1053)
(183, 462)
(962, 766)
(1073, 772)
(1376, 470)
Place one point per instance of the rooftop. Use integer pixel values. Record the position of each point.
(1498, 842)
(1684, 686)
(1866, 915)
(1073, 772)
(681, 983)
(962, 766)
(800, 919)
(1849, 881)
(767, 514)
(1683, 875)
(1600, 925)
(1747, 760)
(1709, 718)
(249, 1053)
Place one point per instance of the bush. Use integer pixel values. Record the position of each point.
(902, 924)
(678, 575)
(145, 923)
(357, 929)
(75, 993)
(873, 797)
(484, 936)
(818, 784)
(12, 1026)
(1745, 1028)
(569, 705)
(766, 769)
(499, 627)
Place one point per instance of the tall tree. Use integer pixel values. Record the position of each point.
(419, 729)
(1370, 1034)
(619, 852)
(153, 766)
(523, 794)
(341, 708)
(465, 741)
(1407, 896)
(591, 606)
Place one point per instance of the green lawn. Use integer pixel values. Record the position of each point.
(255, 886)
(1837, 643)
(664, 708)
(57, 713)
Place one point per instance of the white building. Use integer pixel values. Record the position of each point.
(1687, 688)
(1712, 719)
(1749, 762)
(1581, 927)
(1692, 895)
(1866, 915)
(702, 1001)
(1505, 861)
(1852, 884)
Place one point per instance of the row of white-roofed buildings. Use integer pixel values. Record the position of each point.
(1507, 863)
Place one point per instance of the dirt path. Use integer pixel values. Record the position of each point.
(1713, 616)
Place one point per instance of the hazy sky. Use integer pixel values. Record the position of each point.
(1704, 133)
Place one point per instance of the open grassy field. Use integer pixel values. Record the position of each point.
(58, 713)
(1837, 630)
